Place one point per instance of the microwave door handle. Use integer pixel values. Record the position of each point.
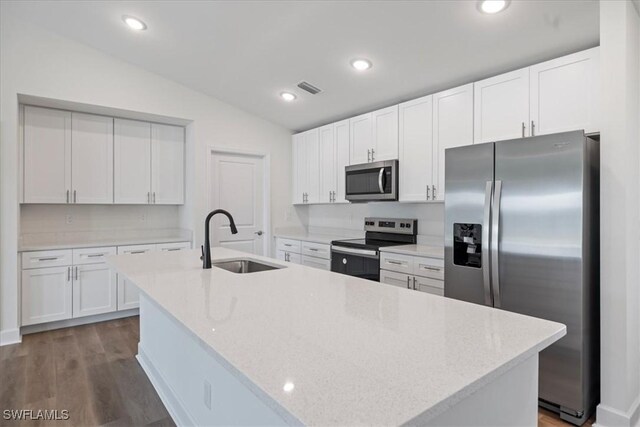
(381, 180)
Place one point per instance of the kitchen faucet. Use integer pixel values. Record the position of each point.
(206, 249)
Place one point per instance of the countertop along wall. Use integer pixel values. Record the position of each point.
(36, 62)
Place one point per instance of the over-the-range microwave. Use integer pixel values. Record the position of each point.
(370, 182)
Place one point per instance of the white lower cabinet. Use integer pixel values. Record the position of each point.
(310, 254)
(412, 272)
(46, 295)
(94, 290)
(128, 294)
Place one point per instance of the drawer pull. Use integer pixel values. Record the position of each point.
(94, 255)
(137, 252)
(313, 249)
(171, 249)
(390, 261)
(288, 245)
(426, 267)
(48, 259)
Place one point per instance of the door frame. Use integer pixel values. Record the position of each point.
(266, 171)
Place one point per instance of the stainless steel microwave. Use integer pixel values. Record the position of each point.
(369, 182)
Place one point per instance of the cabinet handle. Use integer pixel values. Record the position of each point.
(148, 197)
(313, 249)
(67, 196)
(136, 252)
(76, 273)
(171, 249)
(369, 155)
(433, 192)
(75, 199)
(414, 284)
(426, 267)
(427, 191)
(523, 127)
(390, 261)
(68, 274)
(533, 128)
(408, 280)
(373, 157)
(154, 197)
(94, 255)
(48, 259)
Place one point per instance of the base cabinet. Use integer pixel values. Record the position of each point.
(46, 295)
(94, 290)
(310, 254)
(412, 272)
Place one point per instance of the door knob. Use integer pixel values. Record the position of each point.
(259, 233)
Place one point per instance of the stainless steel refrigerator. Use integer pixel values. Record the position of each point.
(522, 234)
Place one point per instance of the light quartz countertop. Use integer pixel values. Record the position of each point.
(70, 240)
(313, 237)
(416, 250)
(356, 351)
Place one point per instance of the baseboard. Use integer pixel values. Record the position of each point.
(32, 329)
(167, 396)
(607, 416)
(10, 336)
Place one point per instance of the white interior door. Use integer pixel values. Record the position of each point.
(237, 186)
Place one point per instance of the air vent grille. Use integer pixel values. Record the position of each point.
(309, 88)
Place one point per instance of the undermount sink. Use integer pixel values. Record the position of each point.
(242, 266)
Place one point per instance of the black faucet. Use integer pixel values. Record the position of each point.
(206, 249)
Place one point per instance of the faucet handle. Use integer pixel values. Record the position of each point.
(202, 251)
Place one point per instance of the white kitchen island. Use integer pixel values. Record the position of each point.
(300, 345)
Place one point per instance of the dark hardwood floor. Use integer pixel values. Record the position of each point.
(92, 372)
(89, 370)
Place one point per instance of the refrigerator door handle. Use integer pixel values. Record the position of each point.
(495, 235)
(486, 272)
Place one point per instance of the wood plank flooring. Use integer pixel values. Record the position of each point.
(91, 371)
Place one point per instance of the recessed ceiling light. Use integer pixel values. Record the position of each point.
(288, 96)
(492, 6)
(361, 64)
(134, 23)
(288, 387)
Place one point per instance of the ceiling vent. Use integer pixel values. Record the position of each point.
(309, 88)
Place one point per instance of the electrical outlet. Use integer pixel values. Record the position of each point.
(207, 394)
(69, 219)
(143, 217)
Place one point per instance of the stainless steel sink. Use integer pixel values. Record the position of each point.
(242, 266)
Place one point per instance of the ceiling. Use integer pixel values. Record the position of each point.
(247, 52)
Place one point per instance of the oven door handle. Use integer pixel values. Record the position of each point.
(380, 180)
(367, 253)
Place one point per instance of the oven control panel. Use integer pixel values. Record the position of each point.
(392, 225)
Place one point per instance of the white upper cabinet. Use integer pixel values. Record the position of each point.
(132, 162)
(92, 158)
(452, 127)
(167, 164)
(328, 164)
(385, 134)
(298, 159)
(501, 107)
(47, 155)
(312, 145)
(361, 141)
(416, 150)
(342, 159)
(565, 93)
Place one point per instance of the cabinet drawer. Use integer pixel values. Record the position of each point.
(92, 255)
(323, 264)
(171, 247)
(429, 267)
(396, 262)
(136, 249)
(430, 286)
(41, 259)
(396, 279)
(288, 245)
(317, 250)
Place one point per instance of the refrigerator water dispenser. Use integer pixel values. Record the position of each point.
(467, 245)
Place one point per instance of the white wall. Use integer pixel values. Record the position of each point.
(39, 63)
(620, 215)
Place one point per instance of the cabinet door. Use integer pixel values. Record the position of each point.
(400, 280)
(361, 140)
(327, 163)
(281, 255)
(167, 164)
(294, 258)
(297, 162)
(452, 127)
(565, 93)
(312, 147)
(385, 134)
(132, 162)
(416, 149)
(92, 158)
(322, 264)
(128, 294)
(342, 159)
(501, 107)
(46, 295)
(430, 286)
(47, 155)
(94, 290)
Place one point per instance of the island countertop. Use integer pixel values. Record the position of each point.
(351, 351)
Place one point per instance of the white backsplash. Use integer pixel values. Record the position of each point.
(430, 217)
(74, 218)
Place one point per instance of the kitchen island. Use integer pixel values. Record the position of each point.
(298, 345)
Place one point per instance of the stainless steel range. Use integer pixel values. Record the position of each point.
(361, 257)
